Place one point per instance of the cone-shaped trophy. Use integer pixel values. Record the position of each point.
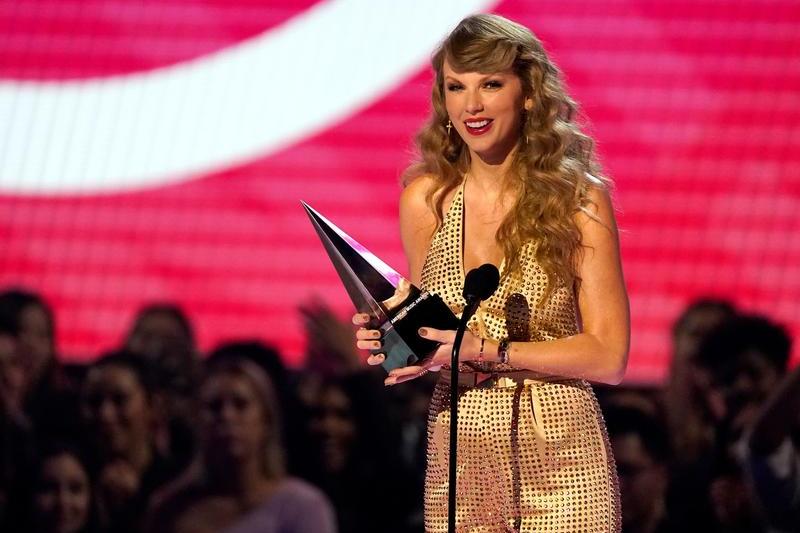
(397, 307)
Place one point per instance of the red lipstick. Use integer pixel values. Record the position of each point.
(478, 125)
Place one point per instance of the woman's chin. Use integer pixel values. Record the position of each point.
(493, 154)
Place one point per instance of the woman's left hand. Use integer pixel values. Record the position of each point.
(470, 347)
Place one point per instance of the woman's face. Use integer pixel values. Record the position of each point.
(36, 340)
(12, 374)
(486, 110)
(232, 423)
(157, 334)
(332, 427)
(116, 409)
(63, 495)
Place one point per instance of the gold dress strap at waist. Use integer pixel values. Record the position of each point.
(498, 380)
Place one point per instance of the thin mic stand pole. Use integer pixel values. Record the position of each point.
(469, 310)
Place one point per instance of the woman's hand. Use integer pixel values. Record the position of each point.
(330, 340)
(117, 484)
(470, 349)
(369, 339)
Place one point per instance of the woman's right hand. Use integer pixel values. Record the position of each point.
(369, 339)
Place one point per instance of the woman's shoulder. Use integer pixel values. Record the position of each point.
(302, 507)
(414, 206)
(417, 189)
(414, 200)
(300, 490)
(596, 206)
(595, 194)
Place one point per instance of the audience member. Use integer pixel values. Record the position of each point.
(269, 360)
(118, 404)
(329, 350)
(772, 456)
(352, 454)
(163, 332)
(12, 378)
(265, 357)
(163, 335)
(641, 451)
(50, 402)
(744, 359)
(691, 428)
(16, 437)
(61, 499)
(32, 322)
(238, 482)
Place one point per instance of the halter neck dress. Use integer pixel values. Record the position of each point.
(533, 452)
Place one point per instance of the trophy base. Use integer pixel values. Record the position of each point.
(402, 344)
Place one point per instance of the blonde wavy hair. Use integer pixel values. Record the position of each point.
(554, 163)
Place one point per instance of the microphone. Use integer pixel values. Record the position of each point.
(480, 283)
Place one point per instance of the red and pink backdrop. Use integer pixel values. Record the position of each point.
(158, 150)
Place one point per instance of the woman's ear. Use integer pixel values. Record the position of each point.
(528, 104)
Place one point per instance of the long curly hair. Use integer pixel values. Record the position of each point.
(554, 163)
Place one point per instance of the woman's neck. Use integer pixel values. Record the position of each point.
(490, 176)
(140, 457)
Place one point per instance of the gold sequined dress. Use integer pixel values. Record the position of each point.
(533, 454)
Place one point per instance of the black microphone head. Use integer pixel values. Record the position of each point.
(481, 282)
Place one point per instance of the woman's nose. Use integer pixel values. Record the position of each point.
(474, 102)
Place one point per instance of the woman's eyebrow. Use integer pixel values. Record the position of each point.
(483, 78)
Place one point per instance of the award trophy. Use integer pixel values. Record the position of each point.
(398, 308)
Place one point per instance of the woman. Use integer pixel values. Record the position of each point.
(351, 452)
(62, 495)
(507, 178)
(237, 484)
(46, 396)
(119, 406)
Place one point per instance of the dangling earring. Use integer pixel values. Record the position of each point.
(449, 127)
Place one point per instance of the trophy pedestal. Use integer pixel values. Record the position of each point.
(401, 341)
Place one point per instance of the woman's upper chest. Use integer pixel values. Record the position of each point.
(482, 214)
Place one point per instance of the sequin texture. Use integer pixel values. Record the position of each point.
(532, 456)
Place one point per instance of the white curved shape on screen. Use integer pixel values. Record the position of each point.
(162, 126)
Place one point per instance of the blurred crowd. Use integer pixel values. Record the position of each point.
(156, 436)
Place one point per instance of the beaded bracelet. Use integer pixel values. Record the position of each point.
(480, 354)
(502, 351)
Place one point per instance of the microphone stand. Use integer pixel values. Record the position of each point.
(469, 310)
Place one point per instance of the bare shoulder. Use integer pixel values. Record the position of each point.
(417, 222)
(414, 195)
(415, 212)
(600, 207)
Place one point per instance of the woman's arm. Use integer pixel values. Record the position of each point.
(417, 225)
(778, 418)
(600, 352)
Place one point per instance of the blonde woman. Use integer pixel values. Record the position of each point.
(238, 483)
(506, 177)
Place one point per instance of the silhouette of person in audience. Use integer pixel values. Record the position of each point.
(237, 483)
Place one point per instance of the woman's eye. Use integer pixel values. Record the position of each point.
(453, 87)
(493, 84)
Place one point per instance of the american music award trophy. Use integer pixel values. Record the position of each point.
(396, 306)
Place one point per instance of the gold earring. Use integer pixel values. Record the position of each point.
(449, 126)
